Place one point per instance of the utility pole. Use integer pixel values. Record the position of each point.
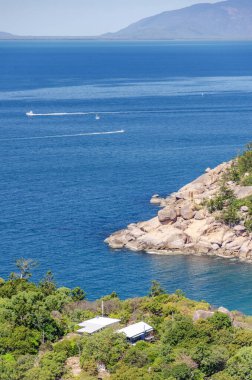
(102, 306)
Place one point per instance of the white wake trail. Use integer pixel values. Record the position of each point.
(57, 114)
(31, 114)
(64, 136)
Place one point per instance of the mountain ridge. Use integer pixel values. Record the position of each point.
(230, 19)
(224, 20)
(6, 35)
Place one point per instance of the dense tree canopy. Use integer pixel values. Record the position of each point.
(38, 324)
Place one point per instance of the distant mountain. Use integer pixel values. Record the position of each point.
(4, 35)
(9, 36)
(226, 20)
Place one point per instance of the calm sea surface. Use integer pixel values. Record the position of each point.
(63, 190)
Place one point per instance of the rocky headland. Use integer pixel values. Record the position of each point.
(209, 216)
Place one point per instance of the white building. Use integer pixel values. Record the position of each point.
(96, 324)
(137, 331)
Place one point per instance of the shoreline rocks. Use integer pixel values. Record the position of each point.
(184, 225)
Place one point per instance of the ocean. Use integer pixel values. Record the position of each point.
(66, 184)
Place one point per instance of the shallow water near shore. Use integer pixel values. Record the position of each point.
(183, 106)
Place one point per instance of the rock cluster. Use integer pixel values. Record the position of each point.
(184, 225)
(205, 314)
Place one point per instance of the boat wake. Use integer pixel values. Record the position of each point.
(96, 114)
(64, 136)
(32, 114)
(56, 113)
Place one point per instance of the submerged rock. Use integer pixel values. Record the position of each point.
(156, 200)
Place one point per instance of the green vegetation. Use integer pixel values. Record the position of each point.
(226, 206)
(241, 170)
(37, 339)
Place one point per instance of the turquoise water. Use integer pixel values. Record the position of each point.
(63, 189)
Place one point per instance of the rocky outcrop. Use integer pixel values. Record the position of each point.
(205, 314)
(184, 224)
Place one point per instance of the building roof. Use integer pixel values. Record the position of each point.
(138, 329)
(95, 324)
(89, 329)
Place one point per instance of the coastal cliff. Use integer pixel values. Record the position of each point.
(209, 216)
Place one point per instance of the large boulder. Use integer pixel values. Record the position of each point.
(118, 240)
(133, 246)
(187, 212)
(239, 229)
(135, 231)
(167, 214)
(216, 237)
(243, 191)
(200, 215)
(150, 225)
(223, 310)
(236, 244)
(246, 249)
(196, 228)
(228, 237)
(164, 238)
(204, 243)
(202, 314)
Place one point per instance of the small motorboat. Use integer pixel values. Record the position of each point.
(29, 113)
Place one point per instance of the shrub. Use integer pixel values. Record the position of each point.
(211, 359)
(222, 376)
(181, 372)
(126, 373)
(240, 365)
(248, 225)
(78, 294)
(245, 162)
(224, 198)
(51, 367)
(230, 216)
(71, 347)
(177, 330)
(220, 321)
(247, 180)
(105, 347)
(156, 289)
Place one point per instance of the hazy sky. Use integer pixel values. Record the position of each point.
(79, 17)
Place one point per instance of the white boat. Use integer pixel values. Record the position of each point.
(29, 113)
(97, 117)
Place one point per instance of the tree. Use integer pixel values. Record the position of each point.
(220, 320)
(105, 347)
(177, 330)
(78, 294)
(25, 266)
(136, 357)
(156, 289)
(51, 367)
(47, 284)
(210, 359)
(222, 376)
(126, 373)
(240, 365)
(180, 371)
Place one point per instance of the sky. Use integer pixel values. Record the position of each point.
(79, 17)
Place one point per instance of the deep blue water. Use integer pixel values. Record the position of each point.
(183, 106)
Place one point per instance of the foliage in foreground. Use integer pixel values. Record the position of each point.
(35, 321)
